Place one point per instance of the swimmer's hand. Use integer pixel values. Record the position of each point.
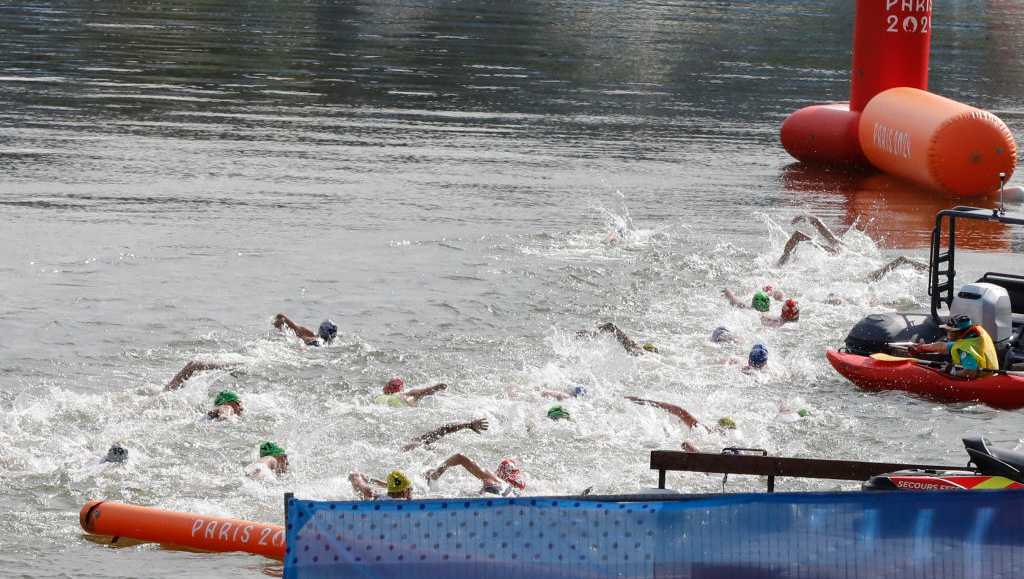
(479, 425)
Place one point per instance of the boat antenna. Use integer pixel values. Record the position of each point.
(1002, 185)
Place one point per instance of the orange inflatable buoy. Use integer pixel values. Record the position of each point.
(936, 142)
(219, 534)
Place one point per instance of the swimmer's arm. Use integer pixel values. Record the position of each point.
(677, 411)
(193, 367)
(627, 342)
(901, 260)
(555, 394)
(735, 301)
(304, 333)
(467, 463)
(418, 393)
(361, 485)
(477, 426)
(787, 251)
(823, 229)
(771, 321)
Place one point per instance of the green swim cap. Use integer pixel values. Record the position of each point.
(271, 449)
(557, 412)
(726, 422)
(649, 347)
(226, 397)
(761, 302)
(803, 412)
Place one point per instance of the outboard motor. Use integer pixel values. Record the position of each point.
(875, 332)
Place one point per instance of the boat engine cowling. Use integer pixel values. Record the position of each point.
(875, 332)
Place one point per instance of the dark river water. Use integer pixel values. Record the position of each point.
(440, 179)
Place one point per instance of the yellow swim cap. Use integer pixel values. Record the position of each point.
(398, 482)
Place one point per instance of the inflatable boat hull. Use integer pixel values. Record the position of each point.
(998, 391)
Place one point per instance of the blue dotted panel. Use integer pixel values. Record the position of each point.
(814, 535)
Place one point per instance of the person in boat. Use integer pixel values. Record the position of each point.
(225, 405)
(691, 422)
(192, 368)
(478, 426)
(325, 334)
(506, 480)
(627, 343)
(396, 395)
(573, 391)
(273, 460)
(398, 486)
(969, 347)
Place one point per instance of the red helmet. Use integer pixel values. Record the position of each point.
(394, 386)
(790, 311)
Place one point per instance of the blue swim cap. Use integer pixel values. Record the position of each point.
(758, 356)
(328, 331)
(721, 334)
(578, 390)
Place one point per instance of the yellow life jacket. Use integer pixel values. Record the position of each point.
(978, 346)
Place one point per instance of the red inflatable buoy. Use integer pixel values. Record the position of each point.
(823, 134)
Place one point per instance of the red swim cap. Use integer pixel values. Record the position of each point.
(790, 311)
(394, 386)
(508, 472)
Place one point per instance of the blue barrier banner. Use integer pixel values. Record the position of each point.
(902, 535)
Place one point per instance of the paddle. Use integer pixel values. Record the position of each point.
(896, 359)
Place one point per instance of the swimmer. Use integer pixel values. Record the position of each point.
(758, 358)
(574, 391)
(273, 460)
(619, 233)
(722, 335)
(394, 396)
(325, 334)
(787, 414)
(558, 413)
(506, 481)
(832, 243)
(630, 346)
(724, 423)
(901, 260)
(790, 313)
(194, 367)
(760, 302)
(478, 426)
(117, 454)
(225, 405)
(398, 486)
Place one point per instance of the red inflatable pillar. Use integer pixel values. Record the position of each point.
(891, 40)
